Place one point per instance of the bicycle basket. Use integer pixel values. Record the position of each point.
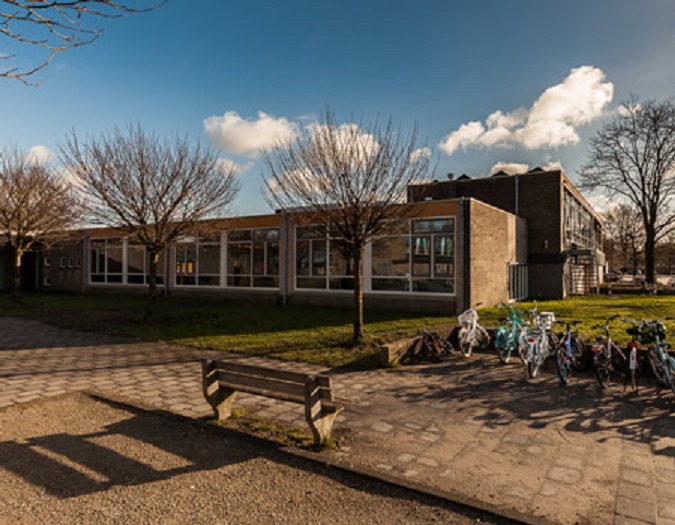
(467, 317)
(544, 320)
(647, 335)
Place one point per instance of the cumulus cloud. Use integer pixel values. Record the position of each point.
(39, 154)
(601, 203)
(552, 120)
(512, 168)
(227, 166)
(235, 134)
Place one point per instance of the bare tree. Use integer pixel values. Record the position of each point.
(36, 206)
(633, 156)
(625, 234)
(155, 190)
(56, 26)
(351, 180)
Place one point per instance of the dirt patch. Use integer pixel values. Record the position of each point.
(77, 460)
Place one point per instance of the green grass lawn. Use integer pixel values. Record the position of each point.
(299, 333)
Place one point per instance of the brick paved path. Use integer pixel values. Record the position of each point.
(472, 427)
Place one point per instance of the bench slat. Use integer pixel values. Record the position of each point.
(252, 384)
(272, 373)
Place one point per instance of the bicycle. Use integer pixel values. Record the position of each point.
(431, 348)
(510, 335)
(570, 353)
(609, 359)
(660, 360)
(540, 342)
(471, 334)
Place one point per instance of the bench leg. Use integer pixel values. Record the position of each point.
(320, 419)
(219, 398)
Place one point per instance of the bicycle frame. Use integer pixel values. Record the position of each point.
(508, 335)
(471, 334)
(663, 364)
(565, 356)
(538, 349)
(608, 358)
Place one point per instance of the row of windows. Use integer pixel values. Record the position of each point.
(417, 256)
(579, 225)
(421, 258)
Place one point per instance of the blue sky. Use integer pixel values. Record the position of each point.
(488, 83)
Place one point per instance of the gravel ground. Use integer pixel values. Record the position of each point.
(79, 460)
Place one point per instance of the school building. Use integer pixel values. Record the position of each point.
(489, 240)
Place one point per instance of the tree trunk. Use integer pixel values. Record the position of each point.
(358, 295)
(650, 245)
(153, 260)
(16, 278)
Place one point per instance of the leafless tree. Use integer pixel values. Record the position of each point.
(624, 236)
(351, 179)
(155, 190)
(633, 156)
(36, 206)
(56, 26)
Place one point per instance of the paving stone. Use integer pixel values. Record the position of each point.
(638, 462)
(406, 458)
(428, 462)
(636, 509)
(635, 491)
(564, 475)
(639, 477)
(665, 475)
(381, 426)
(666, 509)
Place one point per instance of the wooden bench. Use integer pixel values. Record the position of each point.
(223, 379)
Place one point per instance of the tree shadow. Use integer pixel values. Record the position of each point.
(67, 465)
(500, 395)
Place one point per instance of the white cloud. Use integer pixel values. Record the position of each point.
(552, 120)
(234, 134)
(227, 166)
(39, 154)
(600, 203)
(420, 153)
(512, 168)
(552, 166)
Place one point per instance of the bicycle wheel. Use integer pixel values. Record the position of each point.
(522, 348)
(579, 356)
(465, 342)
(482, 338)
(603, 370)
(671, 373)
(504, 354)
(562, 366)
(532, 370)
(657, 366)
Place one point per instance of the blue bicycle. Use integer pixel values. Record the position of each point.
(511, 335)
(570, 353)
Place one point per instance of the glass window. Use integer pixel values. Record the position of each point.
(253, 253)
(390, 257)
(302, 252)
(135, 259)
(318, 257)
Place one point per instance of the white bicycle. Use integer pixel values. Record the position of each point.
(471, 335)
